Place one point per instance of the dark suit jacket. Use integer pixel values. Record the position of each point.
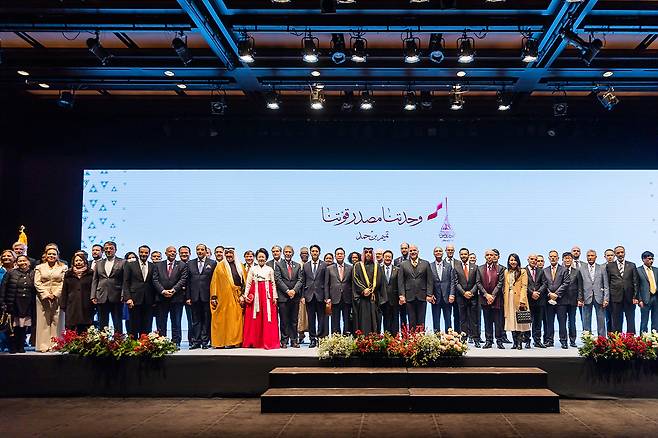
(561, 282)
(339, 291)
(134, 286)
(644, 290)
(177, 281)
(398, 261)
(463, 284)
(622, 289)
(314, 286)
(415, 284)
(538, 284)
(442, 288)
(389, 290)
(107, 289)
(198, 283)
(497, 290)
(574, 288)
(284, 282)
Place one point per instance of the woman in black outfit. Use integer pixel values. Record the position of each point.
(75, 302)
(17, 294)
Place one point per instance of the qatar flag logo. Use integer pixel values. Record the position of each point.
(447, 233)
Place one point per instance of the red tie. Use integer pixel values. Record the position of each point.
(466, 270)
(170, 268)
(289, 270)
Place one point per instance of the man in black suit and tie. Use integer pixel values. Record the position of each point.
(288, 277)
(404, 256)
(184, 253)
(623, 285)
(467, 279)
(200, 272)
(492, 276)
(453, 262)
(390, 309)
(169, 278)
(106, 288)
(567, 303)
(276, 258)
(315, 295)
(139, 293)
(443, 288)
(338, 284)
(537, 299)
(557, 281)
(415, 284)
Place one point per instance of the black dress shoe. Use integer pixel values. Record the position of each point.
(564, 345)
(527, 344)
(505, 340)
(470, 341)
(548, 344)
(488, 344)
(538, 344)
(295, 345)
(313, 344)
(520, 346)
(500, 345)
(573, 344)
(476, 344)
(194, 347)
(204, 347)
(284, 345)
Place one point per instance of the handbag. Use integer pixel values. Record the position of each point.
(523, 317)
(6, 323)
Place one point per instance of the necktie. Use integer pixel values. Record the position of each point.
(466, 271)
(621, 269)
(340, 272)
(290, 270)
(200, 266)
(652, 281)
(388, 274)
(591, 272)
(532, 271)
(439, 270)
(170, 267)
(315, 266)
(144, 271)
(553, 269)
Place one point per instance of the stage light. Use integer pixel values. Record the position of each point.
(359, 49)
(338, 55)
(530, 51)
(273, 101)
(346, 2)
(607, 98)
(504, 101)
(465, 49)
(560, 108)
(419, 1)
(169, 73)
(95, 47)
(218, 107)
(181, 86)
(317, 99)
(436, 48)
(23, 73)
(65, 100)
(367, 101)
(44, 85)
(426, 99)
(494, 1)
(574, 1)
(461, 73)
(409, 102)
(246, 49)
(588, 50)
(608, 74)
(411, 49)
(280, 1)
(327, 6)
(456, 98)
(347, 103)
(181, 49)
(315, 73)
(318, 85)
(310, 48)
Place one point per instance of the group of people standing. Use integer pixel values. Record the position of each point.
(271, 303)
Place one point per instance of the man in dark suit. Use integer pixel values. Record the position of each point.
(184, 253)
(288, 277)
(169, 277)
(466, 292)
(623, 284)
(200, 272)
(338, 284)
(647, 276)
(557, 281)
(414, 286)
(139, 293)
(276, 258)
(453, 262)
(537, 299)
(491, 299)
(390, 299)
(404, 256)
(106, 288)
(443, 293)
(315, 295)
(567, 302)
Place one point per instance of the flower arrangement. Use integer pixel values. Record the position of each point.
(417, 347)
(105, 343)
(620, 346)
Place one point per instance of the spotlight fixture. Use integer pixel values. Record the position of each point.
(530, 51)
(169, 73)
(328, 6)
(318, 85)
(560, 106)
(504, 101)
(607, 98)
(181, 49)
(411, 49)
(65, 100)
(95, 47)
(346, 2)
(359, 47)
(181, 86)
(23, 72)
(574, 1)
(465, 49)
(588, 50)
(409, 101)
(246, 48)
(608, 74)
(310, 48)
(494, 1)
(273, 101)
(218, 107)
(347, 104)
(280, 1)
(315, 73)
(436, 48)
(419, 1)
(367, 101)
(426, 99)
(461, 73)
(44, 85)
(338, 55)
(317, 99)
(456, 98)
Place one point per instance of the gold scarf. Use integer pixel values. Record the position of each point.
(374, 279)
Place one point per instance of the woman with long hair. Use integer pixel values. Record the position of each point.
(515, 298)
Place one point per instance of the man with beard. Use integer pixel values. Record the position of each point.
(184, 253)
(415, 284)
(200, 272)
(169, 276)
(390, 307)
(139, 294)
(466, 287)
(537, 299)
(226, 286)
(366, 299)
(491, 299)
(288, 278)
(338, 284)
(302, 317)
(404, 255)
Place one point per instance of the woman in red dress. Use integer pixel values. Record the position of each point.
(261, 322)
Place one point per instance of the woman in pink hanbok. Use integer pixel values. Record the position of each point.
(261, 322)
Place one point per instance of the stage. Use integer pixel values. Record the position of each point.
(244, 373)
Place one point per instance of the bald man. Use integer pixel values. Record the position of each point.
(169, 280)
